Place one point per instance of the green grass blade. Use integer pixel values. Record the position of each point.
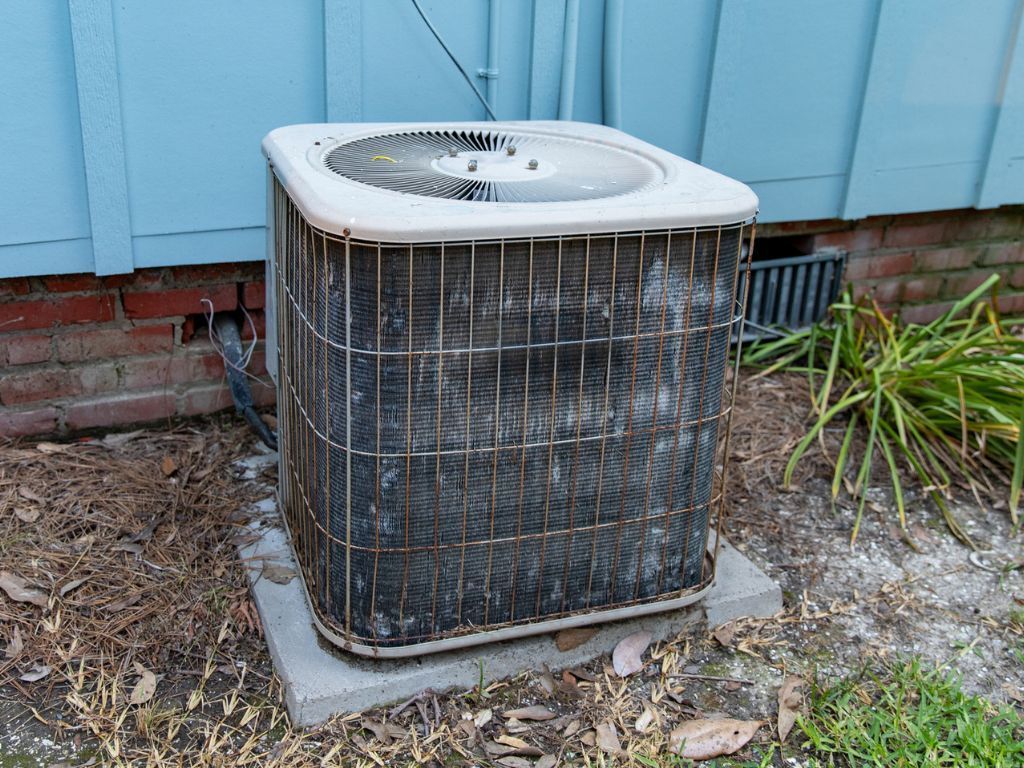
(844, 450)
(1017, 478)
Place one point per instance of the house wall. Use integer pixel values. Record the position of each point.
(80, 352)
(131, 131)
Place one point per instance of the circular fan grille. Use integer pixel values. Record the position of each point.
(492, 166)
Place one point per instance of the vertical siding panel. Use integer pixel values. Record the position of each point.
(343, 60)
(929, 106)
(1003, 177)
(545, 55)
(99, 104)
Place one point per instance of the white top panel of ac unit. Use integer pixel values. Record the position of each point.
(431, 182)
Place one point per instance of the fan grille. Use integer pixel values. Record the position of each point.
(422, 163)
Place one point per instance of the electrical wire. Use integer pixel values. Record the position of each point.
(469, 80)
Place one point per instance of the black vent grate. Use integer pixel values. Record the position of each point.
(422, 163)
(505, 432)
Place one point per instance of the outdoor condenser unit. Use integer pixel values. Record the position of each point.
(501, 356)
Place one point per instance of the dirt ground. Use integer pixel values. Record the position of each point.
(138, 642)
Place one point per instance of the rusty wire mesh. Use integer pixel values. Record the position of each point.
(504, 432)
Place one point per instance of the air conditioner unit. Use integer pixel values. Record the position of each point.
(501, 351)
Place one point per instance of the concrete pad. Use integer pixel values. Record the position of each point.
(320, 680)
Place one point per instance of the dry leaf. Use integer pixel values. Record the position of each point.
(26, 515)
(626, 658)
(608, 738)
(546, 761)
(571, 729)
(120, 605)
(52, 447)
(704, 739)
(1008, 689)
(131, 547)
(379, 730)
(790, 701)
(15, 645)
(18, 589)
(168, 466)
(72, 585)
(588, 739)
(568, 639)
(38, 672)
(482, 718)
(117, 439)
(516, 746)
(515, 762)
(145, 688)
(644, 721)
(724, 634)
(27, 493)
(279, 574)
(530, 713)
(547, 681)
(582, 674)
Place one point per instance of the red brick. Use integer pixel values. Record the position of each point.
(958, 286)
(168, 371)
(52, 383)
(852, 240)
(1015, 278)
(65, 310)
(38, 421)
(254, 295)
(886, 292)
(208, 399)
(259, 322)
(924, 313)
(902, 236)
(921, 288)
(880, 265)
(1006, 224)
(66, 283)
(14, 286)
(119, 409)
(143, 278)
(967, 229)
(1003, 253)
(217, 273)
(944, 259)
(115, 342)
(800, 227)
(179, 301)
(24, 350)
(1011, 304)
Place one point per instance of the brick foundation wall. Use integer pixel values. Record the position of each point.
(921, 263)
(79, 352)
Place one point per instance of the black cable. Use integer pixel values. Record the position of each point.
(469, 81)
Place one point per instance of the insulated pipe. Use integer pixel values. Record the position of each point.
(570, 43)
(611, 62)
(493, 38)
(231, 343)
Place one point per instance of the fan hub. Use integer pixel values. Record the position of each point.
(493, 166)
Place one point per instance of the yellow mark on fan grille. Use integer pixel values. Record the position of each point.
(375, 158)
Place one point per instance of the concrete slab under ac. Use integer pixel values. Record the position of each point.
(320, 680)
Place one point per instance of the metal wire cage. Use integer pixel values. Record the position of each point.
(488, 439)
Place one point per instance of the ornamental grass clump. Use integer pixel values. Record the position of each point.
(944, 400)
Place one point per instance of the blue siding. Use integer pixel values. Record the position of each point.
(131, 130)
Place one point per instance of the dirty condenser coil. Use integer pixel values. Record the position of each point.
(501, 352)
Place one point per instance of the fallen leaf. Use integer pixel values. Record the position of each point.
(482, 718)
(626, 658)
(145, 688)
(608, 738)
(15, 645)
(724, 634)
(571, 729)
(732, 685)
(582, 674)
(18, 589)
(51, 447)
(704, 739)
(588, 739)
(568, 639)
(530, 713)
(546, 761)
(1008, 689)
(379, 730)
(131, 547)
(117, 439)
(517, 746)
(38, 672)
(515, 762)
(27, 493)
(279, 574)
(168, 466)
(644, 721)
(26, 515)
(72, 585)
(120, 605)
(790, 701)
